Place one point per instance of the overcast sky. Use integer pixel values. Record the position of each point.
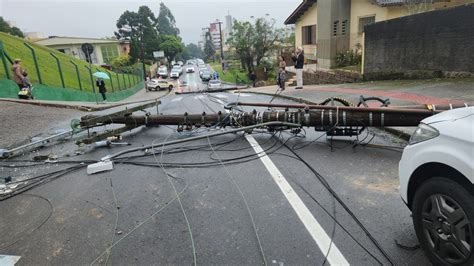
(97, 18)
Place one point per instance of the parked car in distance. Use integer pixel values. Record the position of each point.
(436, 174)
(190, 69)
(201, 70)
(214, 84)
(178, 68)
(180, 63)
(159, 84)
(206, 75)
(163, 72)
(174, 73)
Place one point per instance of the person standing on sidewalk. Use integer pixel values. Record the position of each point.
(298, 58)
(101, 84)
(18, 73)
(281, 72)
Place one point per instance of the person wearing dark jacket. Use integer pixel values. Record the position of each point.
(101, 84)
(298, 58)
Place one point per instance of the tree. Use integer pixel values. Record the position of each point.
(194, 51)
(253, 42)
(209, 49)
(242, 40)
(140, 29)
(171, 46)
(166, 23)
(265, 38)
(17, 32)
(4, 27)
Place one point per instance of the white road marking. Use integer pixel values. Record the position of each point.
(222, 96)
(6, 260)
(177, 99)
(316, 231)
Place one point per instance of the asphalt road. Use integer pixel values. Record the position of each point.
(233, 207)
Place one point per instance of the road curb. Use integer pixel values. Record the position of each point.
(76, 107)
(299, 100)
(397, 133)
(59, 105)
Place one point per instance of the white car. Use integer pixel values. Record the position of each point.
(214, 84)
(177, 68)
(159, 84)
(163, 72)
(190, 69)
(437, 183)
(174, 73)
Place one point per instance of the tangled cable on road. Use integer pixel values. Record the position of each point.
(276, 145)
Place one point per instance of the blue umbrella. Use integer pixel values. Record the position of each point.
(101, 75)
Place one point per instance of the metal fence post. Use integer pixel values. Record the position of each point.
(129, 82)
(92, 83)
(59, 69)
(118, 81)
(124, 82)
(4, 61)
(35, 60)
(111, 81)
(78, 74)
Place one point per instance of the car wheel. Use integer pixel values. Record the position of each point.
(158, 88)
(170, 87)
(443, 212)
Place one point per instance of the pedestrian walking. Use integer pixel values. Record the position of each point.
(281, 72)
(19, 75)
(253, 78)
(102, 89)
(298, 58)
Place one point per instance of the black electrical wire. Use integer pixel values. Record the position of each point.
(325, 183)
(24, 233)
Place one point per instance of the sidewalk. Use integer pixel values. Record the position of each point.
(400, 92)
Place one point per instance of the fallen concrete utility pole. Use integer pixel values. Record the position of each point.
(335, 120)
(327, 116)
(21, 149)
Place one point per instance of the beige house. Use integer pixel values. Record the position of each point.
(326, 27)
(104, 49)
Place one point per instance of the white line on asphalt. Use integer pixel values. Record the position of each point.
(316, 231)
(177, 99)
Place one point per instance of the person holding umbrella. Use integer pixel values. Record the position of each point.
(101, 83)
(102, 89)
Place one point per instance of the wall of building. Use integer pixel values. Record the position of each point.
(437, 42)
(328, 44)
(310, 17)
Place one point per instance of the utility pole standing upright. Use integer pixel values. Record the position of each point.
(220, 41)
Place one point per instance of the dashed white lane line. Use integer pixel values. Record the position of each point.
(177, 99)
(316, 231)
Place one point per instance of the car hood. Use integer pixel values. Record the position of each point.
(450, 115)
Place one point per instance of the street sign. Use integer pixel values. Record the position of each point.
(158, 54)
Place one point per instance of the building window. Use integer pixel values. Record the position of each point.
(344, 27)
(335, 27)
(109, 52)
(309, 34)
(365, 21)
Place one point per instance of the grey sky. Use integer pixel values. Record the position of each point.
(97, 18)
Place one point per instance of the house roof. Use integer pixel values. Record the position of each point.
(73, 40)
(299, 11)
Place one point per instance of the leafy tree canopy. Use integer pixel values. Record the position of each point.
(4, 27)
